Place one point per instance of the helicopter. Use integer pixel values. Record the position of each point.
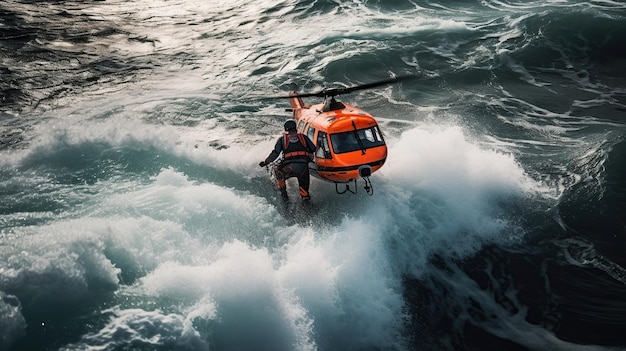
(348, 141)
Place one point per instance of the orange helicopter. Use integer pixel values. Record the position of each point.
(349, 144)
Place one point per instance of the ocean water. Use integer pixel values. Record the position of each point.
(134, 216)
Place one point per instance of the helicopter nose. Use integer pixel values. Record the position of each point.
(365, 171)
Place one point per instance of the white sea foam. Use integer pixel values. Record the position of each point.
(446, 192)
(342, 284)
(140, 327)
(226, 264)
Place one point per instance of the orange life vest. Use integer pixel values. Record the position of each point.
(294, 146)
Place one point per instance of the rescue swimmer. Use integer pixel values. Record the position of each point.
(297, 150)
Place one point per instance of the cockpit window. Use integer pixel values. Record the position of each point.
(356, 140)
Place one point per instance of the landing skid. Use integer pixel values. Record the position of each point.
(369, 189)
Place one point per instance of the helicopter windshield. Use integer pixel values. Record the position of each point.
(348, 141)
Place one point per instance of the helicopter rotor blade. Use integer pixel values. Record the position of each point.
(373, 84)
(339, 91)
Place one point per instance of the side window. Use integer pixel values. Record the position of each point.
(300, 126)
(323, 151)
(311, 133)
(377, 133)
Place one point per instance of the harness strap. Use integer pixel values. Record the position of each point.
(285, 140)
(302, 141)
(296, 154)
(293, 154)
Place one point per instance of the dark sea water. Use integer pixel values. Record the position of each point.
(133, 215)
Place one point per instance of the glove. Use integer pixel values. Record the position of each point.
(262, 164)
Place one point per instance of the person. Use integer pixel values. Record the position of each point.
(297, 150)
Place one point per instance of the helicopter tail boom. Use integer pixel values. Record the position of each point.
(295, 101)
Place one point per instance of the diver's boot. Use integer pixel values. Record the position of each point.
(304, 193)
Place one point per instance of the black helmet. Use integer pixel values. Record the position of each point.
(290, 125)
